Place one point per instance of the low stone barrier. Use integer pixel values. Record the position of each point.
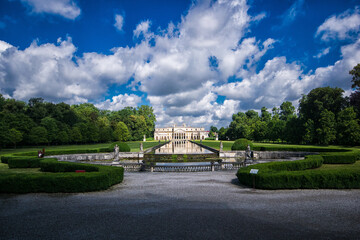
(265, 154)
(97, 156)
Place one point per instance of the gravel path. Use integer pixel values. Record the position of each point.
(207, 205)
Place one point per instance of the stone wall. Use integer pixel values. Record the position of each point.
(264, 154)
(96, 156)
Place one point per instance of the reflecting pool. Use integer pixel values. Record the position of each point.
(181, 147)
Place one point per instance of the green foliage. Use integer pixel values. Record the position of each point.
(348, 128)
(241, 144)
(95, 180)
(174, 158)
(303, 173)
(355, 72)
(52, 165)
(123, 147)
(24, 162)
(121, 132)
(41, 122)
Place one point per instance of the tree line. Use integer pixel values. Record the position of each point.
(41, 122)
(324, 117)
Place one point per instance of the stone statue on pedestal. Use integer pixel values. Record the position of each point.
(116, 151)
(141, 147)
(221, 146)
(248, 154)
(144, 140)
(216, 136)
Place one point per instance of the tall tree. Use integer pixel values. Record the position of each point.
(326, 132)
(121, 132)
(15, 136)
(287, 111)
(348, 128)
(355, 72)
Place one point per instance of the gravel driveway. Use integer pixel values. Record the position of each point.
(206, 205)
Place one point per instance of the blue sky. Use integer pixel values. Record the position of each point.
(195, 62)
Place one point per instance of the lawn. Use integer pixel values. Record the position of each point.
(227, 146)
(4, 168)
(134, 146)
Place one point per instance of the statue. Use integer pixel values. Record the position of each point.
(221, 146)
(144, 140)
(216, 136)
(116, 150)
(248, 154)
(141, 147)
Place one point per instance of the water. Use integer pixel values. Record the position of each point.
(181, 147)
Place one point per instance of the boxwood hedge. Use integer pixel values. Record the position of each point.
(62, 178)
(297, 174)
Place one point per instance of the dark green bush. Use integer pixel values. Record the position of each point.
(241, 144)
(345, 158)
(24, 162)
(103, 178)
(123, 147)
(52, 165)
(296, 174)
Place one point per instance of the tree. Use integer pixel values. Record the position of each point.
(287, 111)
(348, 128)
(355, 101)
(265, 115)
(213, 129)
(121, 132)
(355, 72)
(309, 131)
(38, 135)
(51, 127)
(150, 118)
(326, 132)
(137, 127)
(15, 136)
(63, 137)
(319, 99)
(223, 133)
(76, 135)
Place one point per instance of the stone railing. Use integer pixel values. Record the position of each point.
(132, 167)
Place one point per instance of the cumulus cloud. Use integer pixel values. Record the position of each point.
(119, 22)
(119, 102)
(66, 8)
(341, 27)
(183, 69)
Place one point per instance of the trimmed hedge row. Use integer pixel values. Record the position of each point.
(298, 174)
(344, 158)
(123, 147)
(96, 178)
(24, 162)
(241, 144)
(298, 149)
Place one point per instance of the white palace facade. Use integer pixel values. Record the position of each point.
(180, 133)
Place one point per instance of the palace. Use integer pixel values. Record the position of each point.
(180, 133)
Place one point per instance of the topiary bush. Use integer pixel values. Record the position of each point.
(24, 162)
(298, 174)
(123, 147)
(241, 144)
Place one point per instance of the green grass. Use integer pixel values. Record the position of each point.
(227, 146)
(4, 169)
(134, 146)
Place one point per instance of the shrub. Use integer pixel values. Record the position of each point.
(296, 174)
(241, 144)
(96, 178)
(123, 147)
(24, 162)
(344, 158)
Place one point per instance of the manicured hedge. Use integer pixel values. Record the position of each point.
(344, 158)
(298, 149)
(96, 178)
(241, 144)
(52, 165)
(297, 174)
(24, 162)
(123, 147)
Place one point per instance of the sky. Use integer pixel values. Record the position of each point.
(194, 62)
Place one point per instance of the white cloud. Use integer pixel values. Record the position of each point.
(143, 28)
(322, 53)
(119, 102)
(340, 27)
(4, 46)
(119, 22)
(66, 8)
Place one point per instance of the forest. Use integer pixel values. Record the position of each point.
(40, 122)
(324, 117)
